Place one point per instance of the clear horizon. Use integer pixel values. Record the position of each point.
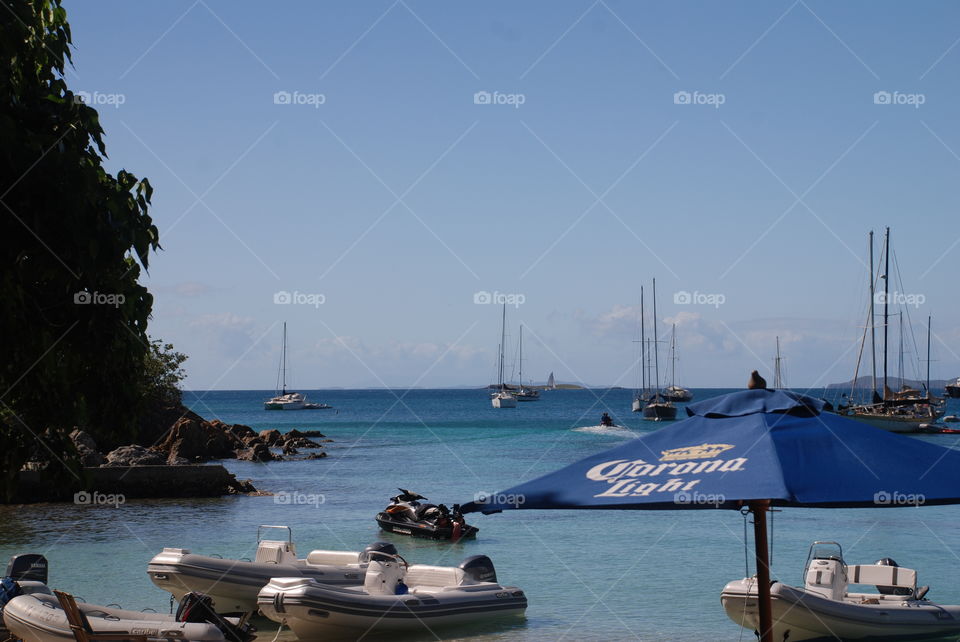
(380, 175)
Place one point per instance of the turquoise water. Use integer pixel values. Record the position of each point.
(589, 575)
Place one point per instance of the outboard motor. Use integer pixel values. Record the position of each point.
(479, 568)
(379, 552)
(198, 608)
(891, 590)
(29, 567)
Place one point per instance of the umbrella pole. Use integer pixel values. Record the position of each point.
(759, 510)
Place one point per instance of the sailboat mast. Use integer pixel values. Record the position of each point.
(900, 370)
(886, 305)
(503, 337)
(777, 377)
(928, 356)
(873, 324)
(520, 358)
(283, 358)
(673, 357)
(643, 347)
(656, 344)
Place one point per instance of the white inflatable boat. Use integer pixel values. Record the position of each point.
(37, 617)
(393, 597)
(233, 584)
(826, 608)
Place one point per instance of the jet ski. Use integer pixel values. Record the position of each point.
(407, 516)
(233, 584)
(606, 421)
(393, 597)
(32, 613)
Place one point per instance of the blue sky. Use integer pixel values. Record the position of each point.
(383, 188)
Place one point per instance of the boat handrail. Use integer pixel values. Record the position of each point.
(810, 557)
(261, 527)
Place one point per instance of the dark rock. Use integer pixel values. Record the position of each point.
(134, 455)
(242, 486)
(90, 456)
(316, 456)
(307, 433)
(199, 441)
(259, 452)
(244, 433)
(299, 442)
(271, 437)
(288, 449)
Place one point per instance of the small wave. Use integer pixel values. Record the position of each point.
(617, 431)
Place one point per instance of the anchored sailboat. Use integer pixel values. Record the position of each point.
(673, 392)
(551, 382)
(904, 411)
(502, 398)
(523, 393)
(659, 408)
(282, 399)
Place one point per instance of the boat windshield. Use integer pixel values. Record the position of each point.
(823, 551)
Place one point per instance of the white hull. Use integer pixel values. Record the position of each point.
(314, 611)
(233, 584)
(270, 405)
(504, 400)
(637, 405)
(39, 618)
(893, 423)
(803, 615)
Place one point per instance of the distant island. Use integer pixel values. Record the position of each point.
(894, 383)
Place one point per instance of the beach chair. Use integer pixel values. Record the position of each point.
(82, 631)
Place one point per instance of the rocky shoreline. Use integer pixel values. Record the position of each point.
(175, 466)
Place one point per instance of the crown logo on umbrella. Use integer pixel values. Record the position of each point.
(703, 451)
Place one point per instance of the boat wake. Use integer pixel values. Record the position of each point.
(616, 431)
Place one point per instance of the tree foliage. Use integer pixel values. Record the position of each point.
(73, 240)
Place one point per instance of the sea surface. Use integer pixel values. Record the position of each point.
(589, 575)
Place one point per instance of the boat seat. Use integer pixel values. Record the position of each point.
(437, 576)
(273, 552)
(333, 558)
(882, 575)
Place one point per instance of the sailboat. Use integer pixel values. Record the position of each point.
(551, 382)
(906, 411)
(777, 369)
(288, 400)
(673, 392)
(642, 395)
(658, 408)
(523, 393)
(502, 398)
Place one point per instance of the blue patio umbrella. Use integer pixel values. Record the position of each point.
(754, 449)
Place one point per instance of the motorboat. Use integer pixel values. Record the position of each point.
(952, 389)
(894, 608)
(34, 613)
(394, 597)
(406, 515)
(233, 584)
